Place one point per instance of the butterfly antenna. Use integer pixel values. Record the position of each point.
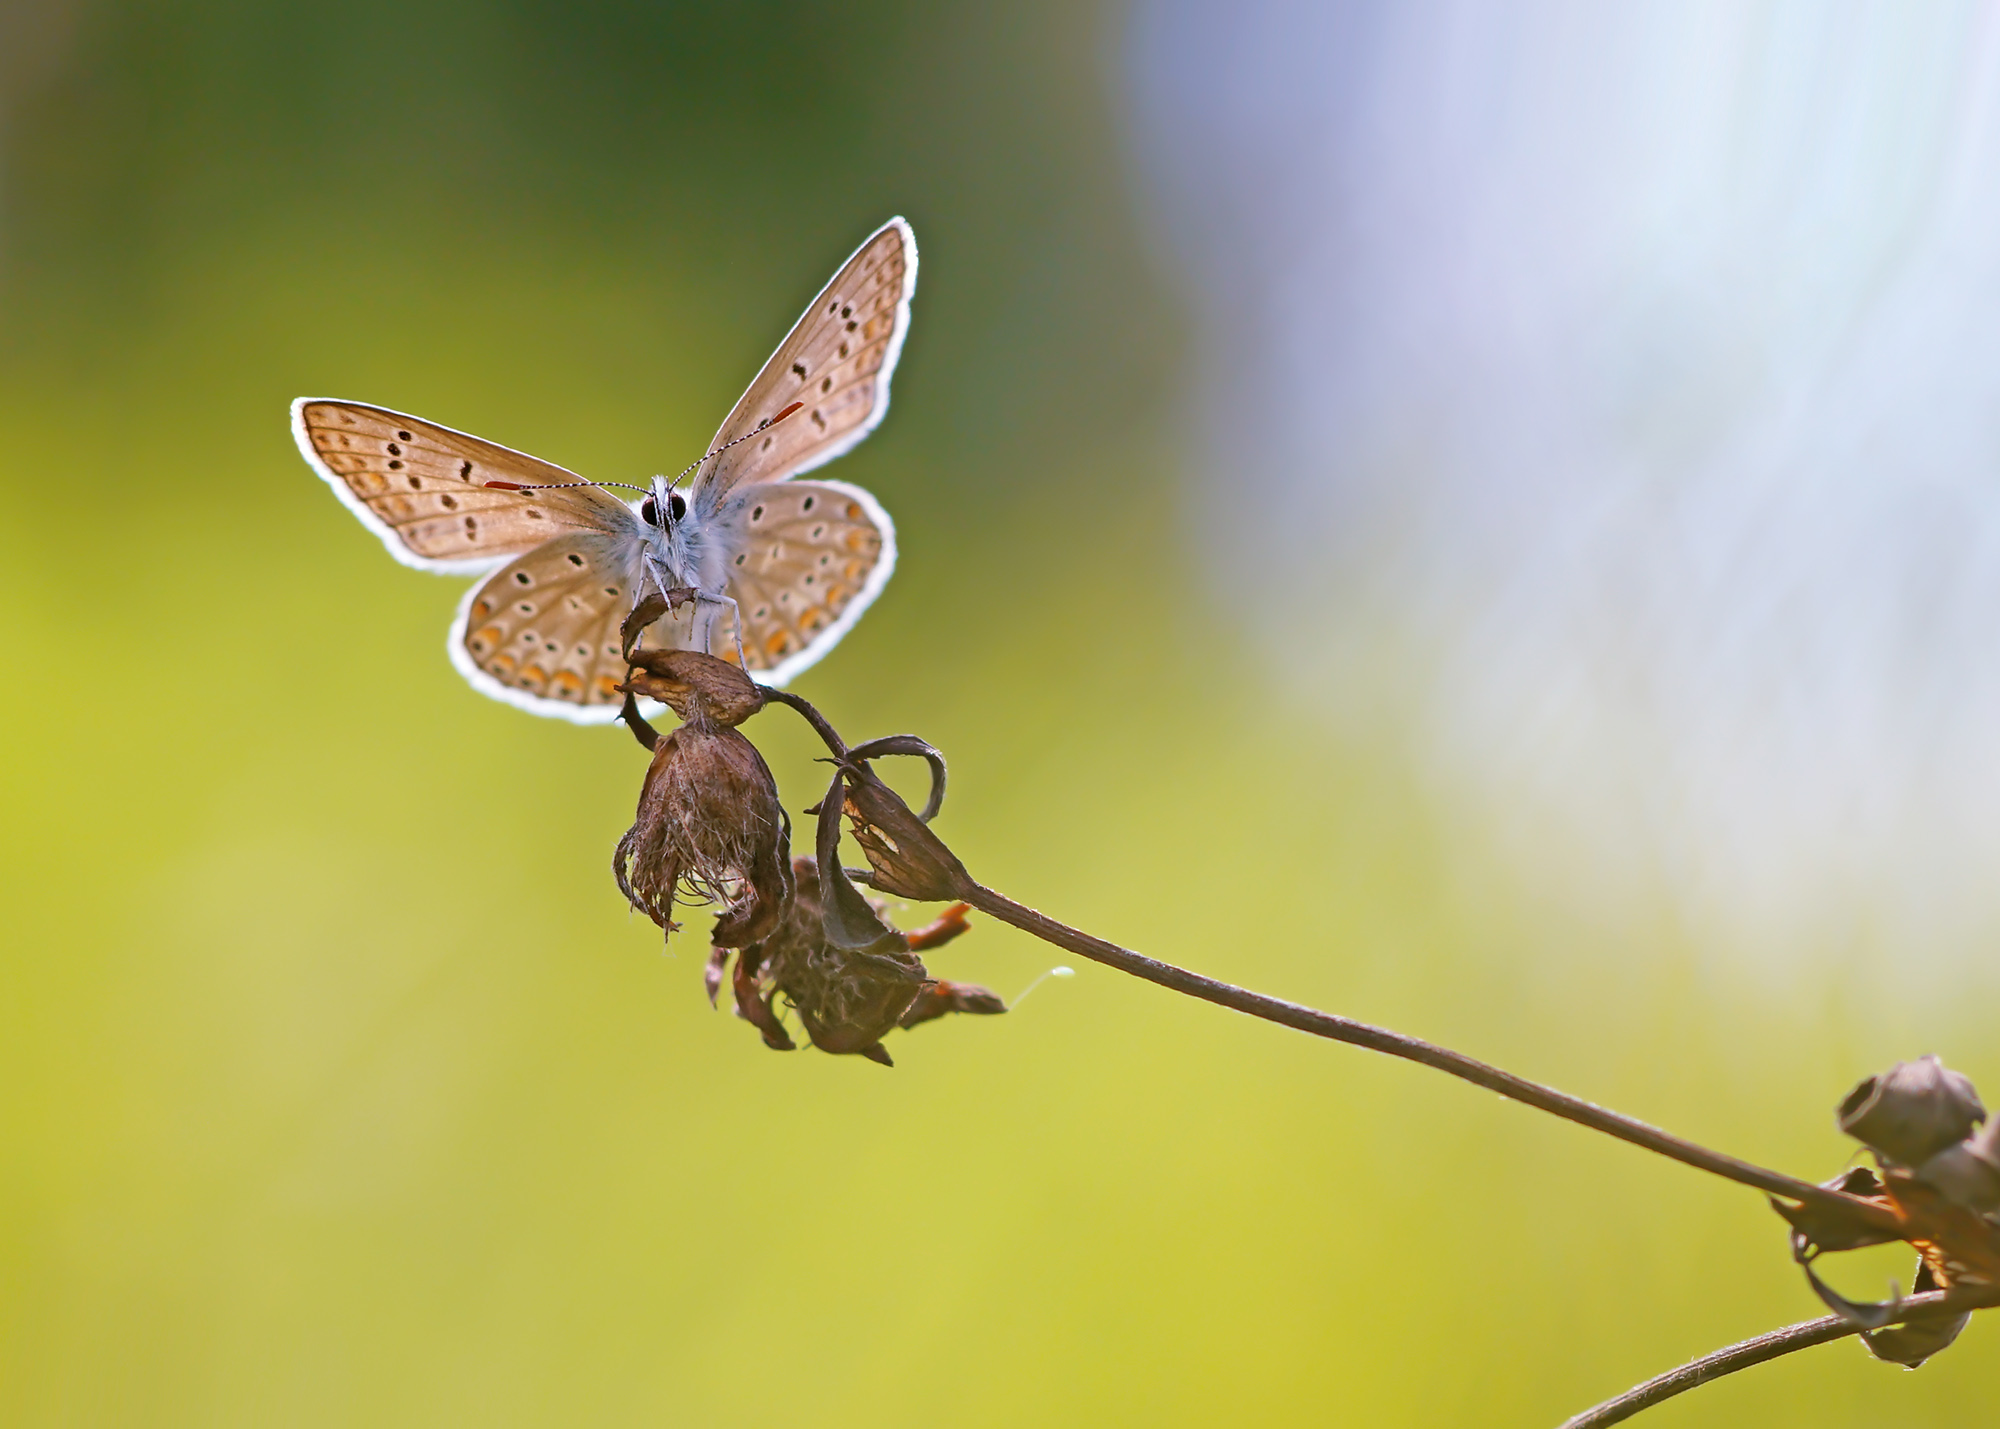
(764, 425)
(562, 486)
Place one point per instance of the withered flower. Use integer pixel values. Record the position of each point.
(1912, 1111)
(847, 997)
(1942, 1182)
(709, 827)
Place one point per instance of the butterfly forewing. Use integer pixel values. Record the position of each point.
(421, 487)
(836, 362)
(817, 554)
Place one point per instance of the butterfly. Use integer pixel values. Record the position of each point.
(778, 569)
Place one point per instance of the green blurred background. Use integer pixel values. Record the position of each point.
(336, 1084)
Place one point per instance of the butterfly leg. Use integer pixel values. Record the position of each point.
(704, 625)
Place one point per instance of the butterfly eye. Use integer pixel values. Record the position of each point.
(648, 512)
(676, 506)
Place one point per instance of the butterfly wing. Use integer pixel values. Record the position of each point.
(541, 633)
(816, 555)
(420, 487)
(837, 361)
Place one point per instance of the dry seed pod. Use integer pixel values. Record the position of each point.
(1911, 1112)
(1969, 1172)
(698, 688)
(709, 829)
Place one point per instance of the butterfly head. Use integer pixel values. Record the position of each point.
(663, 506)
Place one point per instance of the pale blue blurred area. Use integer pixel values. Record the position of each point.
(1626, 379)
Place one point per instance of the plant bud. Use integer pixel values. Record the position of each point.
(908, 860)
(1911, 1112)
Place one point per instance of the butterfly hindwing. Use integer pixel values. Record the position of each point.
(817, 553)
(836, 361)
(541, 633)
(421, 487)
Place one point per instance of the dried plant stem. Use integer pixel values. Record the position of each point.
(1396, 1044)
(1758, 1349)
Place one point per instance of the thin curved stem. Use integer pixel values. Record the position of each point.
(1428, 1054)
(1759, 1349)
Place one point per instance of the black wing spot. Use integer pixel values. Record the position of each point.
(800, 368)
(826, 384)
(848, 312)
(757, 512)
(583, 652)
(465, 471)
(450, 501)
(533, 514)
(818, 418)
(807, 507)
(760, 612)
(612, 591)
(809, 579)
(471, 527)
(402, 436)
(574, 558)
(833, 307)
(395, 450)
(416, 482)
(843, 349)
(395, 466)
(767, 444)
(739, 560)
(850, 327)
(523, 578)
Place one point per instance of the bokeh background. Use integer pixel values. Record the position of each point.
(1479, 518)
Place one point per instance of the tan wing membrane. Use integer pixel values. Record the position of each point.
(421, 486)
(812, 549)
(836, 361)
(546, 625)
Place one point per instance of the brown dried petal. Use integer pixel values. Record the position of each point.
(1912, 1111)
(944, 997)
(1919, 1337)
(755, 1008)
(696, 687)
(1817, 1228)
